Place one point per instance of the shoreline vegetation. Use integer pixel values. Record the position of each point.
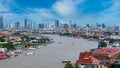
(12, 47)
(25, 42)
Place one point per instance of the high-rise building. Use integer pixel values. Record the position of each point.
(74, 25)
(66, 26)
(103, 25)
(41, 26)
(46, 25)
(98, 25)
(61, 25)
(57, 24)
(1, 22)
(31, 25)
(88, 25)
(70, 24)
(9, 25)
(25, 23)
(17, 25)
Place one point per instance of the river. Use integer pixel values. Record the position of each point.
(51, 55)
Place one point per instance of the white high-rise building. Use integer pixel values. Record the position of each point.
(9, 25)
(31, 25)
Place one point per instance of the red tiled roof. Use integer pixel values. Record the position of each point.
(3, 34)
(87, 58)
(107, 51)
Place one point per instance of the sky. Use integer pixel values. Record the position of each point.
(47, 11)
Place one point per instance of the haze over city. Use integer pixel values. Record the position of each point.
(47, 11)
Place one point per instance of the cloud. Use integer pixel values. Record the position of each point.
(66, 7)
(112, 14)
(109, 14)
(3, 9)
(46, 13)
(115, 7)
(78, 11)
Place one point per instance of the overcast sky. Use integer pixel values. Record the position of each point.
(79, 11)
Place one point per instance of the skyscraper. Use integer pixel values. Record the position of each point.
(57, 24)
(1, 22)
(70, 24)
(25, 23)
(46, 25)
(31, 25)
(66, 26)
(88, 25)
(41, 25)
(103, 25)
(17, 25)
(74, 25)
(9, 25)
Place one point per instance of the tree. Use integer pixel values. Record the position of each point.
(102, 44)
(25, 38)
(2, 39)
(111, 66)
(76, 65)
(68, 65)
(112, 40)
(9, 46)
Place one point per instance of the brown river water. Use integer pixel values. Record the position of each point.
(51, 55)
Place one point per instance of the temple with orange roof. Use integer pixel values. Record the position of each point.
(106, 55)
(87, 58)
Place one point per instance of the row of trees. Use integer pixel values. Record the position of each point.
(114, 40)
(40, 41)
(8, 45)
(25, 40)
(102, 44)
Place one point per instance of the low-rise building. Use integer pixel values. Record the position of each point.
(87, 58)
(106, 56)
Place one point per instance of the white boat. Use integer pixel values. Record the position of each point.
(32, 48)
(30, 53)
(39, 47)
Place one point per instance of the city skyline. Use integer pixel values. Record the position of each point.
(78, 11)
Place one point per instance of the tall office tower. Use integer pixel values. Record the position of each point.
(103, 25)
(57, 24)
(70, 26)
(41, 26)
(31, 25)
(88, 25)
(98, 25)
(61, 25)
(1, 22)
(25, 23)
(17, 25)
(74, 25)
(9, 25)
(46, 25)
(66, 26)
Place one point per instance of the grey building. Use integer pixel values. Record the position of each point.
(1, 22)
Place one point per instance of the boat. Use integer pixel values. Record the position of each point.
(3, 55)
(30, 53)
(66, 61)
(32, 48)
